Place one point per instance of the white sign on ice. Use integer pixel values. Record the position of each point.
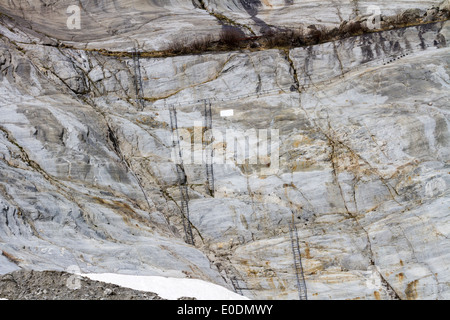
(227, 113)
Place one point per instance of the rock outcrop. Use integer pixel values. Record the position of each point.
(87, 178)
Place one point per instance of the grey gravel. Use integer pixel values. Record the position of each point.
(55, 285)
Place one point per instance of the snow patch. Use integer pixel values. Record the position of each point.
(169, 288)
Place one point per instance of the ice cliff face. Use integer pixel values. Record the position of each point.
(87, 179)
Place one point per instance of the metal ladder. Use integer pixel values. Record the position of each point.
(209, 151)
(237, 281)
(181, 174)
(301, 284)
(236, 286)
(185, 212)
(138, 80)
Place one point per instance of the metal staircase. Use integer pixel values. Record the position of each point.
(138, 80)
(237, 281)
(236, 286)
(301, 284)
(209, 151)
(185, 212)
(181, 174)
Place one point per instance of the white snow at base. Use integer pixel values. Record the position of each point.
(168, 288)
